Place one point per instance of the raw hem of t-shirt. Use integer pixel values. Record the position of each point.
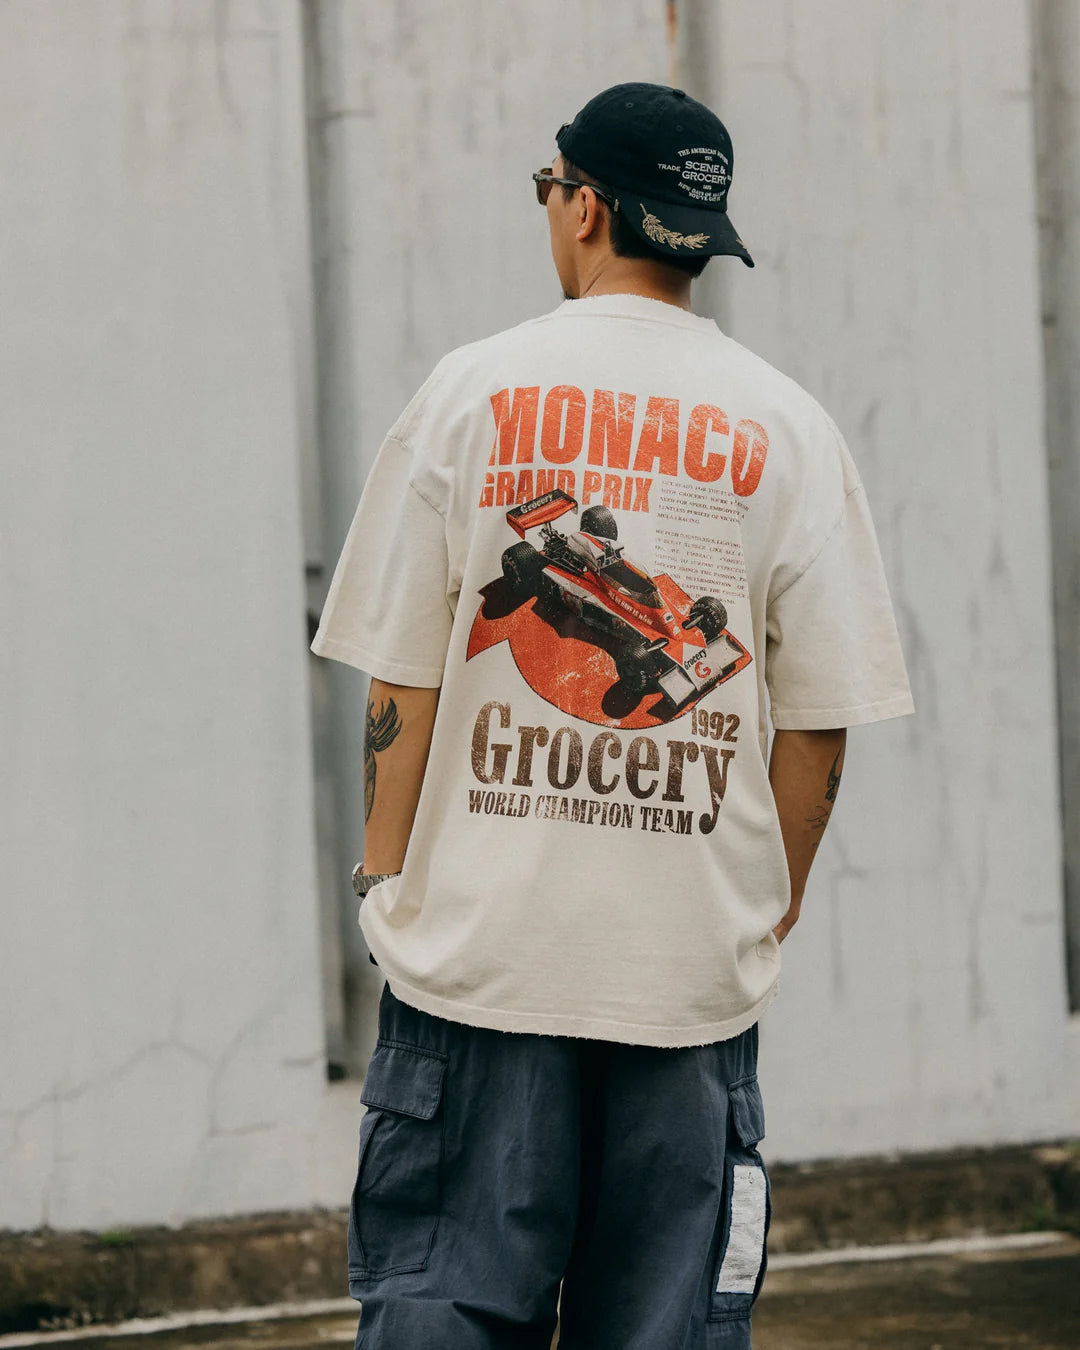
(394, 672)
(823, 719)
(560, 1024)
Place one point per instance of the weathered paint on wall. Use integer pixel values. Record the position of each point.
(885, 181)
(162, 1053)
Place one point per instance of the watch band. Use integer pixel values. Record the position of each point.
(364, 881)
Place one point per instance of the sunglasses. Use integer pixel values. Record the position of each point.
(545, 180)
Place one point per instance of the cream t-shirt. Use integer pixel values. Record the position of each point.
(608, 535)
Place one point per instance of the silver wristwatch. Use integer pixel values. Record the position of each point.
(363, 881)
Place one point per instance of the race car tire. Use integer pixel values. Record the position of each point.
(633, 666)
(522, 567)
(598, 520)
(710, 616)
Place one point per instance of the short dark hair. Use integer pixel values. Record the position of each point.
(625, 240)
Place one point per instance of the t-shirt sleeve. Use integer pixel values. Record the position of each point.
(388, 611)
(832, 651)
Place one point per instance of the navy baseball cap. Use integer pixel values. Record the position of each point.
(667, 160)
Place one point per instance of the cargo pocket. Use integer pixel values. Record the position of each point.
(395, 1203)
(745, 1212)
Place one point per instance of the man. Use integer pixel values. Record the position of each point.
(589, 553)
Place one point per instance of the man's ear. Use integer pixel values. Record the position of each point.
(589, 214)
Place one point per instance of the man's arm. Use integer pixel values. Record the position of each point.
(397, 737)
(804, 773)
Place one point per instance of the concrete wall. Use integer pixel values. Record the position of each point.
(162, 1049)
(885, 180)
(163, 1046)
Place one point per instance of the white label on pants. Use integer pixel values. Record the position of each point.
(742, 1260)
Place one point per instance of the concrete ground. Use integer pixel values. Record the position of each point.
(1026, 1298)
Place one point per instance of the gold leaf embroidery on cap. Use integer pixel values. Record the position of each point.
(655, 230)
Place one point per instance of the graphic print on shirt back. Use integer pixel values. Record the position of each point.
(664, 649)
(620, 632)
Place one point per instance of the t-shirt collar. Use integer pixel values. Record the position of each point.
(633, 307)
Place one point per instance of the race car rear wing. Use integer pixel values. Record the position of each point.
(541, 510)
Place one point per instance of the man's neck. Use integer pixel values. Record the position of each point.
(637, 276)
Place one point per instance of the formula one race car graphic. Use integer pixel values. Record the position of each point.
(662, 640)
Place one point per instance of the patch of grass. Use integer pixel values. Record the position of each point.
(116, 1237)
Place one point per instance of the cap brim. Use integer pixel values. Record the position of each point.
(683, 231)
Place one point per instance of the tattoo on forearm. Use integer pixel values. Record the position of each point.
(817, 822)
(834, 778)
(380, 731)
(819, 818)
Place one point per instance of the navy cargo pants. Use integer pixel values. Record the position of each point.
(494, 1165)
